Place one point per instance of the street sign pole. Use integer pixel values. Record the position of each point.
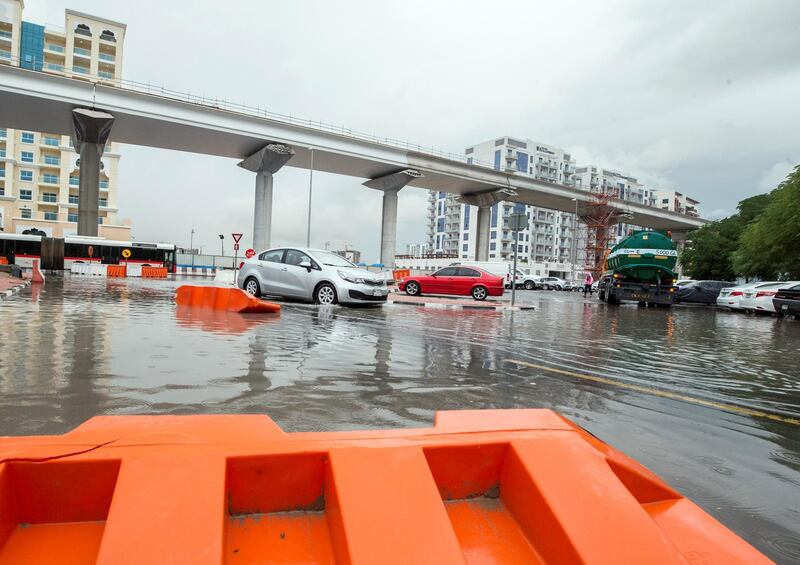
(236, 237)
(514, 273)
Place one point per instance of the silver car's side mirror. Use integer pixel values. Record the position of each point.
(305, 264)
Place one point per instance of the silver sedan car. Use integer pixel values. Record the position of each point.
(310, 274)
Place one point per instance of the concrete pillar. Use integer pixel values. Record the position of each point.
(390, 185)
(265, 162)
(482, 233)
(91, 130)
(389, 228)
(484, 201)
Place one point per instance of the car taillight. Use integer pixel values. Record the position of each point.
(761, 293)
(735, 293)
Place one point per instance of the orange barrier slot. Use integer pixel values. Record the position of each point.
(154, 272)
(116, 271)
(494, 486)
(398, 274)
(222, 298)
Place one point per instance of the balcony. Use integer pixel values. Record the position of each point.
(49, 179)
(74, 181)
(106, 58)
(80, 70)
(53, 48)
(81, 52)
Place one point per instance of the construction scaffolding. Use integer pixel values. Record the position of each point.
(596, 236)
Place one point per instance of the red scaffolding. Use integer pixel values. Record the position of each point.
(599, 217)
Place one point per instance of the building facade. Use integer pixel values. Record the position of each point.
(549, 237)
(39, 171)
(676, 202)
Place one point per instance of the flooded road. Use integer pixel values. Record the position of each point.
(80, 347)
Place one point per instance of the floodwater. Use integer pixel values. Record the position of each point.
(80, 347)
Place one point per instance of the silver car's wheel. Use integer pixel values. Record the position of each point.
(251, 287)
(325, 294)
(412, 288)
(479, 293)
(529, 285)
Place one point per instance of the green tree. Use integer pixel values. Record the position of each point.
(714, 246)
(769, 246)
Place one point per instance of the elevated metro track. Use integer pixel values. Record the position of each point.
(43, 102)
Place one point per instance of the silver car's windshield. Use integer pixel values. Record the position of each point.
(332, 259)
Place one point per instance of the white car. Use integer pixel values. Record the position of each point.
(731, 297)
(311, 274)
(553, 283)
(760, 299)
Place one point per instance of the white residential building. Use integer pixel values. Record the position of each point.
(676, 202)
(452, 225)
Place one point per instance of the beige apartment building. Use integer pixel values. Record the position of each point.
(39, 171)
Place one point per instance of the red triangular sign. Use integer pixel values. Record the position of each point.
(236, 237)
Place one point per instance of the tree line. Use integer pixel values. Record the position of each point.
(762, 240)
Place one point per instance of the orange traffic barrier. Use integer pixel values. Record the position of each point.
(495, 486)
(222, 298)
(398, 274)
(36, 273)
(116, 271)
(3, 260)
(154, 272)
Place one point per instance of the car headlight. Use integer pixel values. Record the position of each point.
(350, 278)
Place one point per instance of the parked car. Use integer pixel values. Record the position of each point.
(787, 301)
(553, 283)
(528, 282)
(731, 297)
(310, 274)
(759, 300)
(700, 292)
(464, 281)
(501, 269)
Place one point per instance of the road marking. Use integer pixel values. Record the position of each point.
(662, 393)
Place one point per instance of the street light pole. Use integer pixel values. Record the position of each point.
(222, 244)
(191, 245)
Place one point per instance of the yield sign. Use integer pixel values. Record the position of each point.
(236, 237)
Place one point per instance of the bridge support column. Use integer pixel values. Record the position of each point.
(484, 201)
(91, 130)
(390, 185)
(482, 233)
(265, 163)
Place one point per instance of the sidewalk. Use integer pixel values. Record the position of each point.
(461, 303)
(10, 285)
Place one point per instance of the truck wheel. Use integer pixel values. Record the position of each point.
(529, 285)
(601, 295)
(612, 299)
(642, 304)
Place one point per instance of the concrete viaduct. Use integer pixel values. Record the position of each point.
(95, 112)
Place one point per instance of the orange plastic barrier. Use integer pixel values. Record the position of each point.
(3, 260)
(37, 277)
(154, 272)
(495, 486)
(222, 298)
(116, 271)
(398, 274)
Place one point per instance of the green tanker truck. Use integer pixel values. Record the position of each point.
(640, 269)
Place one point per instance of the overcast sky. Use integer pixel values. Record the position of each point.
(701, 97)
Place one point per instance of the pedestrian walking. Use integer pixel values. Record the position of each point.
(588, 280)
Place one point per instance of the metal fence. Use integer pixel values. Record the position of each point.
(204, 261)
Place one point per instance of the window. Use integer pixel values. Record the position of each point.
(466, 237)
(50, 178)
(440, 224)
(108, 35)
(51, 160)
(82, 51)
(295, 257)
(494, 216)
(73, 199)
(55, 48)
(99, 220)
(492, 246)
(71, 217)
(74, 181)
(102, 202)
(55, 67)
(465, 247)
(103, 184)
(26, 156)
(466, 216)
(26, 175)
(27, 137)
(49, 197)
(493, 235)
(105, 74)
(25, 213)
(106, 57)
(446, 272)
(83, 29)
(2, 173)
(25, 194)
(2, 153)
(274, 256)
(465, 272)
(52, 216)
(81, 70)
(51, 141)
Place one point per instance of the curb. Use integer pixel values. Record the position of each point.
(493, 308)
(14, 290)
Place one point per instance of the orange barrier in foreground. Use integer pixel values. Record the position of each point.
(116, 271)
(222, 298)
(154, 272)
(495, 486)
